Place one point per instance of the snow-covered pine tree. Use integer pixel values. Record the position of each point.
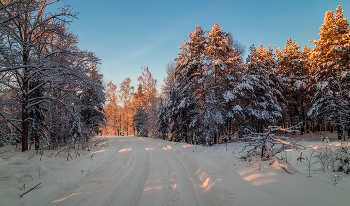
(261, 92)
(225, 55)
(92, 99)
(294, 75)
(163, 120)
(254, 92)
(140, 122)
(330, 61)
(169, 82)
(202, 75)
(183, 106)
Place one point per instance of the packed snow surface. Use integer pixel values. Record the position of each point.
(143, 171)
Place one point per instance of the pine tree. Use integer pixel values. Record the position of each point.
(294, 75)
(261, 89)
(163, 120)
(140, 122)
(180, 116)
(91, 104)
(330, 61)
(202, 74)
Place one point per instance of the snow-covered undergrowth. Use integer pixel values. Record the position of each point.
(326, 161)
(54, 169)
(281, 180)
(332, 159)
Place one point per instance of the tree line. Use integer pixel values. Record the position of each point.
(211, 93)
(132, 111)
(51, 91)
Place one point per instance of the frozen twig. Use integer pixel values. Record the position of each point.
(31, 189)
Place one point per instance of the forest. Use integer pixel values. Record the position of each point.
(228, 125)
(211, 94)
(53, 93)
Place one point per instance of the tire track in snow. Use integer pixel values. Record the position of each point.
(191, 188)
(129, 189)
(107, 184)
(144, 173)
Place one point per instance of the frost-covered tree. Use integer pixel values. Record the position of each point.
(330, 61)
(255, 91)
(261, 88)
(113, 111)
(179, 116)
(202, 76)
(149, 99)
(294, 75)
(125, 96)
(91, 104)
(42, 68)
(169, 82)
(140, 122)
(199, 102)
(163, 121)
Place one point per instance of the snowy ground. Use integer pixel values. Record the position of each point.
(143, 171)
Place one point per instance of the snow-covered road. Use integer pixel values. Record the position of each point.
(127, 171)
(143, 172)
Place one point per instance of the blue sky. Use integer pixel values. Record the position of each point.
(128, 35)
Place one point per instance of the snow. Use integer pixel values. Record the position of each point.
(144, 171)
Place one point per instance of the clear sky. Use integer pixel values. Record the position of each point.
(130, 34)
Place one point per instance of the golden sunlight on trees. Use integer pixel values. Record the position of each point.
(124, 103)
(211, 94)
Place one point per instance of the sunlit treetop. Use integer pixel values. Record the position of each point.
(330, 50)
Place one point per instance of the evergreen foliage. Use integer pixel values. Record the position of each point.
(140, 122)
(330, 62)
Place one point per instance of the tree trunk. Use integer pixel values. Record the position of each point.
(24, 128)
(25, 88)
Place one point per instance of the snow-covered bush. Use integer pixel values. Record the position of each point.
(266, 145)
(332, 158)
(341, 159)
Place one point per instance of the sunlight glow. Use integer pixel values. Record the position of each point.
(284, 142)
(167, 148)
(187, 145)
(100, 151)
(252, 177)
(149, 148)
(259, 179)
(207, 183)
(125, 150)
(60, 200)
